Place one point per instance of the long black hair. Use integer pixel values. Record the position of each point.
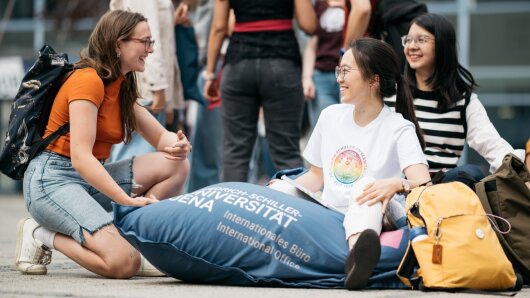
(450, 78)
(376, 58)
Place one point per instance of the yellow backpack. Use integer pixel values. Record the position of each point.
(453, 242)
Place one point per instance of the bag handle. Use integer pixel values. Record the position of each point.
(513, 166)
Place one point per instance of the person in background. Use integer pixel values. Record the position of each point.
(207, 134)
(360, 150)
(449, 112)
(359, 20)
(321, 55)
(160, 85)
(68, 188)
(262, 69)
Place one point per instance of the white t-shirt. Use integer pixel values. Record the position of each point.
(347, 153)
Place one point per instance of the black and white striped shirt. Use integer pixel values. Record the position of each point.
(444, 133)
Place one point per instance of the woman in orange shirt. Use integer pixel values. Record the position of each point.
(68, 188)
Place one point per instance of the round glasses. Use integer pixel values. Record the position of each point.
(341, 71)
(407, 40)
(148, 43)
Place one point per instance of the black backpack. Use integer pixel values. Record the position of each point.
(30, 112)
(392, 20)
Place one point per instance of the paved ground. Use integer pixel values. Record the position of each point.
(67, 279)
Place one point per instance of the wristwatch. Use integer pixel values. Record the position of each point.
(208, 76)
(406, 186)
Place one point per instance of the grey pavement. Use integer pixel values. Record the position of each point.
(67, 279)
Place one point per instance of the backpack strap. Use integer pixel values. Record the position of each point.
(40, 146)
(407, 268)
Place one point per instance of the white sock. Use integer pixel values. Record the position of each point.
(45, 236)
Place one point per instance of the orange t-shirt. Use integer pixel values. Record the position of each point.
(85, 84)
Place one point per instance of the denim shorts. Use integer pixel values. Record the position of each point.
(58, 198)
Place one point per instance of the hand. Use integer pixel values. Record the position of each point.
(273, 181)
(180, 150)
(141, 201)
(379, 191)
(159, 101)
(211, 90)
(309, 88)
(181, 14)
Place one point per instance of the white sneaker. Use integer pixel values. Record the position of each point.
(147, 269)
(31, 256)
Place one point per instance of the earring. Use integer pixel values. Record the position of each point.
(118, 54)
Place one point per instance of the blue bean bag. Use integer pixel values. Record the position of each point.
(243, 234)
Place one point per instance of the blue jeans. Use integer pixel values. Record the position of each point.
(275, 85)
(59, 199)
(207, 140)
(137, 146)
(326, 93)
(467, 174)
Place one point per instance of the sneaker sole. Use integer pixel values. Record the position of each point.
(358, 275)
(20, 232)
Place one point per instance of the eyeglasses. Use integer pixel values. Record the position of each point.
(406, 40)
(148, 43)
(341, 71)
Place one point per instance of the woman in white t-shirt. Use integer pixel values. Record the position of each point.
(360, 149)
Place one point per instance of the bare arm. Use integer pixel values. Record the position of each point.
(83, 120)
(358, 20)
(305, 16)
(175, 145)
(218, 32)
(308, 67)
(383, 190)
(312, 179)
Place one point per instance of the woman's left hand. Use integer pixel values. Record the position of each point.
(379, 191)
(180, 150)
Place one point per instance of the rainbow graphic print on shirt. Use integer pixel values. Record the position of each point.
(348, 165)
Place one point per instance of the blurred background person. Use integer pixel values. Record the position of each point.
(207, 132)
(359, 20)
(321, 55)
(262, 69)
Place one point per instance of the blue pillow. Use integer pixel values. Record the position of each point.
(244, 234)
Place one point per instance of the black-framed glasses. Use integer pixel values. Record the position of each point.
(148, 43)
(341, 71)
(407, 40)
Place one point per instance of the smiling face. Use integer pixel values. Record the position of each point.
(133, 51)
(421, 57)
(353, 87)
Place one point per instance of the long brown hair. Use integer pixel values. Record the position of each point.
(101, 55)
(376, 58)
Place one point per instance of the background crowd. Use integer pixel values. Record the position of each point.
(183, 101)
